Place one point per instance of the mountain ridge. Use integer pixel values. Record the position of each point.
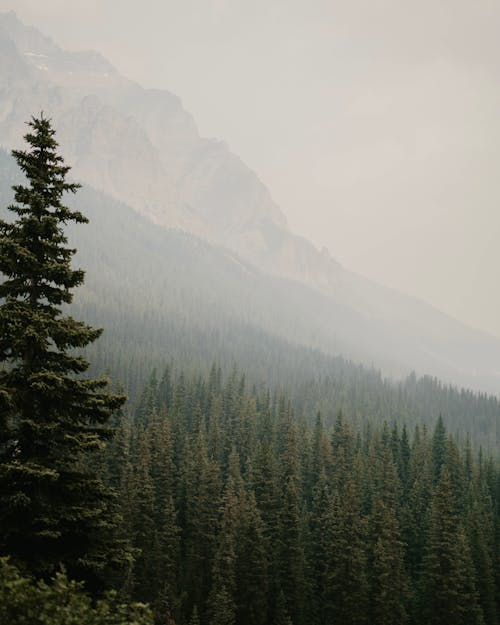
(142, 148)
(195, 184)
(140, 274)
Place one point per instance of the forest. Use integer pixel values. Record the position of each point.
(328, 495)
(244, 513)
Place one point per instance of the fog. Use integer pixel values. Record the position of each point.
(374, 123)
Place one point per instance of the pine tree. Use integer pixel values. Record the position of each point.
(480, 526)
(415, 512)
(166, 552)
(252, 566)
(291, 556)
(224, 565)
(448, 592)
(321, 456)
(266, 487)
(439, 444)
(345, 599)
(389, 584)
(52, 507)
(404, 465)
(142, 526)
(202, 493)
(319, 545)
(345, 593)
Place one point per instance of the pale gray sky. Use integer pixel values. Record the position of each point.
(375, 123)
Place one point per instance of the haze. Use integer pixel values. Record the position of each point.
(374, 123)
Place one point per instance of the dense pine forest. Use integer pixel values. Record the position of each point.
(244, 513)
(278, 486)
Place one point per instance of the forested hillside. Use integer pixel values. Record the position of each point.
(277, 486)
(204, 420)
(244, 513)
(168, 298)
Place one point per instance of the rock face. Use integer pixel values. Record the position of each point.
(141, 147)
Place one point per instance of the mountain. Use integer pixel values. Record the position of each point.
(139, 146)
(165, 297)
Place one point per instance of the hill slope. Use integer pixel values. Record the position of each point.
(141, 147)
(167, 297)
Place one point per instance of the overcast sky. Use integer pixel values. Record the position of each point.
(375, 123)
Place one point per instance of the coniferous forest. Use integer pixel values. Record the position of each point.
(210, 497)
(245, 513)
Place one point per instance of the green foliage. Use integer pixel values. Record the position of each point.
(296, 524)
(53, 509)
(449, 592)
(60, 601)
(389, 583)
(222, 608)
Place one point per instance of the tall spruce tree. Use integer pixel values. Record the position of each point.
(448, 585)
(52, 507)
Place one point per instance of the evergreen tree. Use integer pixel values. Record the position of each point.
(345, 599)
(143, 531)
(202, 492)
(415, 511)
(439, 445)
(252, 566)
(319, 545)
(291, 555)
(480, 526)
(265, 483)
(224, 566)
(52, 508)
(166, 548)
(389, 584)
(448, 592)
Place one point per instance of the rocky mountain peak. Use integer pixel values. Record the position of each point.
(172, 174)
(28, 40)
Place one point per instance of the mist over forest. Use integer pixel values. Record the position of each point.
(208, 416)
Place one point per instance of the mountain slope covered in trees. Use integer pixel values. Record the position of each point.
(166, 297)
(141, 146)
(215, 504)
(253, 478)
